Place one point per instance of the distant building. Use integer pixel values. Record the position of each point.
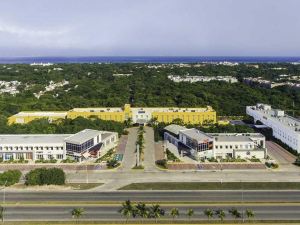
(285, 128)
(258, 81)
(202, 145)
(138, 115)
(122, 74)
(84, 145)
(41, 64)
(193, 79)
(10, 87)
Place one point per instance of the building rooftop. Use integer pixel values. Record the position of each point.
(97, 110)
(233, 137)
(32, 139)
(176, 109)
(196, 135)
(105, 135)
(278, 116)
(83, 136)
(42, 114)
(174, 128)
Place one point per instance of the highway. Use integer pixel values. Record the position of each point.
(155, 196)
(56, 213)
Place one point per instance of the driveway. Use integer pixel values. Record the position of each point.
(129, 158)
(149, 152)
(282, 156)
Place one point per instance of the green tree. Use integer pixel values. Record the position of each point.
(220, 214)
(44, 176)
(2, 213)
(190, 213)
(156, 212)
(127, 210)
(77, 213)
(249, 213)
(142, 210)
(10, 177)
(235, 213)
(208, 213)
(174, 213)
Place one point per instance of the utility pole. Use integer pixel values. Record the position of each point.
(137, 155)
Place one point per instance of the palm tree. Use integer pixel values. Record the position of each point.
(156, 212)
(2, 213)
(174, 213)
(190, 213)
(127, 210)
(220, 213)
(249, 214)
(235, 213)
(77, 213)
(209, 213)
(142, 211)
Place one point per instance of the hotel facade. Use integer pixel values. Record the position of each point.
(141, 115)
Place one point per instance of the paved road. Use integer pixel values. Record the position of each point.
(129, 158)
(281, 155)
(48, 213)
(149, 155)
(118, 177)
(155, 196)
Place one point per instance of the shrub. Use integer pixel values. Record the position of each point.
(113, 163)
(10, 177)
(161, 163)
(43, 176)
(68, 160)
(171, 156)
(271, 165)
(108, 156)
(297, 161)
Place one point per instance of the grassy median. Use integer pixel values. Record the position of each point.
(213, 186)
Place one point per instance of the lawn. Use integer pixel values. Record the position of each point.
(213, 186)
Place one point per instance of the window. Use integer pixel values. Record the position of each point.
(59, 156)
(19, 156)
(80, 148)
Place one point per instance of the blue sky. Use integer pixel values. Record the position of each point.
(149, 27)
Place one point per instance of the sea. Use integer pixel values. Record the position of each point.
(148, 59)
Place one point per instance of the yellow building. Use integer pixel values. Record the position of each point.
(115, 114)
(137, 115)
(187, 115)
(27, 116)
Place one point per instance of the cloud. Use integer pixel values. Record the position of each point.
(20, 36)
(30, 32)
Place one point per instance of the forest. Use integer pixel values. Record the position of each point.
(94, 85)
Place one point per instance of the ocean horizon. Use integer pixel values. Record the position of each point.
(148, 59)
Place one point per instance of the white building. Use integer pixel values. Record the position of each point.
(193, 79)
(285, 128)
(202, 145)
(80, 146)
